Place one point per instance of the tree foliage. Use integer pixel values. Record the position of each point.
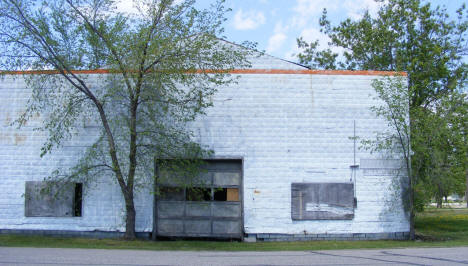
(395, 141)
(404, 36)
(163, 65)
(440, 149)
(407, 35)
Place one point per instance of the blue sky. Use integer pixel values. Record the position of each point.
(275, 24)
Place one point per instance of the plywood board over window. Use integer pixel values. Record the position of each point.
(46, 199)
(322, 201)
(232, 194)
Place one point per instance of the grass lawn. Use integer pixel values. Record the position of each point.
(443, 225)
(436, 228)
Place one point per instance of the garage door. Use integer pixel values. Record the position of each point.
(210, 207)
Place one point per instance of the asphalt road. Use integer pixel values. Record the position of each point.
(413, 256)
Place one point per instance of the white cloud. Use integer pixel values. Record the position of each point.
(275, 42)
(355, 9)
(126, 6)
(279, 27)
(278, 38)
(314, 7)
(309, 35)
(312, 34)
(274, 12)
(310, 10)
(248, 20)
(307, 13)
(307, 9)
(130, 6)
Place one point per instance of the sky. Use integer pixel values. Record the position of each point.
(275, 24)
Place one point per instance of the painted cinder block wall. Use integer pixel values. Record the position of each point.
(286, 123)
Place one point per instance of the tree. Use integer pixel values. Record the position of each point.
(163, 64)
(404, 36)
(408, 36)
(395, 141)
(440, 148)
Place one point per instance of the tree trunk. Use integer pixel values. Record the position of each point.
(412, 233)
(439, 202)
(439, 196)
(466, 193)
(130, 213)
(130, 219)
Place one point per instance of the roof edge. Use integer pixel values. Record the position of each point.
(263, 53)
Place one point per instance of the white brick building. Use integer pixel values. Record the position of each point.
(281, 122)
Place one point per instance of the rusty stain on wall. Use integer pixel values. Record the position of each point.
(19, 138)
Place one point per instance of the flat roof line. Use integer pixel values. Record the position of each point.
(234, 71)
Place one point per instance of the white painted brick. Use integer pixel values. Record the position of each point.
(287, 128)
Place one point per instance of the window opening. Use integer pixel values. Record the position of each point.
(198, 194)
(220, 194)
(78, 200)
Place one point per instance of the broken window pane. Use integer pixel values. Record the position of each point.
(220, 194)
(198, 194)
(226, 194)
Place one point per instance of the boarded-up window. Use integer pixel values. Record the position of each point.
(232, 194)
(43, 199)
(322, 201)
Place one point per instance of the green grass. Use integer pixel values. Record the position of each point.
(443, 225)
(436, 228)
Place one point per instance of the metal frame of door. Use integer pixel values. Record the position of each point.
(180, 222)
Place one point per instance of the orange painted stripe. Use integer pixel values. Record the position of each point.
(317, 72)
(33, 72)
(234, 71)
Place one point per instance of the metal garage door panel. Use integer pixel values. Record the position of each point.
(224, 165)
(205, 178)
(226, 227)
(170, 227)
(198, 209)
(227, 209)
(226, 179)
(197, 227)
(170, 209)
(210, 218)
